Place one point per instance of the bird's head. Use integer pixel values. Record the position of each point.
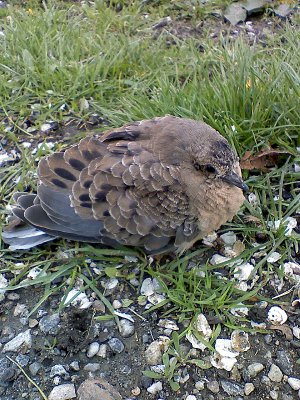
(201, 153)
(216, 160)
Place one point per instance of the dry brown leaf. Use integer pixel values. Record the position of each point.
(263, 160)
(285, 329)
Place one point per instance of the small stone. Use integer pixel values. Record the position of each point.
(274, 257)
(277, 315)
(13, 296)
(265, 380)
(232, 388)
(147, 287)
(92, 367)
(116, 345)
(80, 299)
(93, 349)
(283, 10)
(126, 328)
(240, 341)
(235, 13)
(294, 383)
(23, 360)
(284, 362)
(254, 6)
(21, 343)
(7, 373)
(74, 365)
(49, 126)
(102, 351)
(273, 394)
(20, 310)
(58, 370)
(155, 388)
(57, 380)
(191, 397)
(248, 388)
(268, 339)
(199, 385)
(34, 368)
(63, 392)
(99, 306)
(153, 353)
(32, 322)
(254, 369)
(213, 386)
(275, 374)
(7, 334)
(49, 323)
(116, 304)
(228, 238)
(111, 284)
(97, 389)
(168, 324)
(243, 271)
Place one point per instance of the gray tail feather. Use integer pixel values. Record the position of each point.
(22, 236)
(25, 237)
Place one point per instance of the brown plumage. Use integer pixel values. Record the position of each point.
(158, 184)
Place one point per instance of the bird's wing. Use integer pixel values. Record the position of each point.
(113, 189)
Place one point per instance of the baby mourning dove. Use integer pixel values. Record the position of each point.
(160, 184)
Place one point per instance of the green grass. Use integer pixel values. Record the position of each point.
(69, 54)
(61, 56)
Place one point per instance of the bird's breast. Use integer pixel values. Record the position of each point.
(216, 205)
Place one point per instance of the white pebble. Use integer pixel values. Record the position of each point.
(155, 388)
(93, 349)
(199, 385)
(248, 388)
(243, 271)
(277, 315)
(116, 304)
(126, 328)
(102, 351)
(63, 392)
(296, 332)
(220, 362)
(294, 383)
(21, 343)
(147, 287)
(224, 348)
(275, 374)
(111, 284)
(273, 257)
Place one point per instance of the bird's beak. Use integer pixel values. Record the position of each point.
(236, 180)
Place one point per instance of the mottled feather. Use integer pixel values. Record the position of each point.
(159, 184)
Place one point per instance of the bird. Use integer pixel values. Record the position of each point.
(160, 185)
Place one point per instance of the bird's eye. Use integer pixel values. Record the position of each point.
(197, 166)
(209, 168)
